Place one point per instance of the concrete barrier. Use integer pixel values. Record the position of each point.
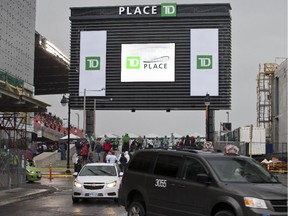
(44, 159)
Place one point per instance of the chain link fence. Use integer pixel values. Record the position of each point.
(12, 168)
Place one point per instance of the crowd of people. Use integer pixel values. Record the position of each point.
(107, 150)
(93, 150)
(47, 120)
(135, 144)
(128, 144)
(90, 149)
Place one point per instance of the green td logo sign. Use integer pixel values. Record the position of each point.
(168, 10)
(92, 63)
(133, 62)
(204, 62)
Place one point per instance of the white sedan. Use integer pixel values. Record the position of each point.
(97, 181)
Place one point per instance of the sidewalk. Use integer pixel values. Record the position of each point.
(34, 189)
(26, 191)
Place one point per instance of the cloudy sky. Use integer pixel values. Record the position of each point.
(259, 35)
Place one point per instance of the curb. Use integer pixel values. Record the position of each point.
(58, 176)
(56, 172)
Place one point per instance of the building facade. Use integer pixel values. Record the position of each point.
(279, 109)
(17, 38)
(17, 21)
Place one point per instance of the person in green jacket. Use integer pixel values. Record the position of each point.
(125, 141)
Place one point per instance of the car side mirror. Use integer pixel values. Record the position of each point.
(203, 178)
(75, 174)
(121, 174)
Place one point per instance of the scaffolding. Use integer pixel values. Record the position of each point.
(13, 143)
(264, 97)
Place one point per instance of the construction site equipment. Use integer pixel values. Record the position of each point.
(264, 102)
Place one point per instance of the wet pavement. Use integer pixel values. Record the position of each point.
(38, 188)
(46, 186)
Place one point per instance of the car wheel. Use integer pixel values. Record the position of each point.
(75, 200)
(224, 213)
(136, 209)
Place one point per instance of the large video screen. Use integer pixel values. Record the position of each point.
(148, 62)
(151, 57)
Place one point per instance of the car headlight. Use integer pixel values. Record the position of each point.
(30, 171)
(77, 184)
(255, 203)
(112, 184)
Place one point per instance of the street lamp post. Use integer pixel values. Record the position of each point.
(84, 113)
(94, 117)
(207, 104)
(64, 101)
(77, 120)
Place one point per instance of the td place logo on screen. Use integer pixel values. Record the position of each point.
(134, 62)
(148, 62)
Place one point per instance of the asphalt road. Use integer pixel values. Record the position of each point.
(60, 203)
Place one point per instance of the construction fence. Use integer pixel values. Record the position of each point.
(12, 168)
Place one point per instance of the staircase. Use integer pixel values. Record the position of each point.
(48, 132)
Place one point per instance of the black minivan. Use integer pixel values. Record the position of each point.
(176, 183)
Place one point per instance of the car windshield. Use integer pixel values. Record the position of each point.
(237, 169)
(98, 171)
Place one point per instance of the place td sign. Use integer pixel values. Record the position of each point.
(167, 10)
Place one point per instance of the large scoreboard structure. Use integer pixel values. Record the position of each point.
(150, 57)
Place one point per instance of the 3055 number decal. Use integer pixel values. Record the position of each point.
(161, 183)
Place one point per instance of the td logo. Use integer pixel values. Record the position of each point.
(168, 10)
(204, 62)
(92, 63)
(133, 62)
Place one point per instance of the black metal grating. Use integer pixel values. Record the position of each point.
(152, 29)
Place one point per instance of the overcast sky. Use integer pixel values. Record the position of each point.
(259, 35)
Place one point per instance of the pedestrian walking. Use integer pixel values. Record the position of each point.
(156, 143)
(98, 150)
(126, 154)
(107, 146)
(122, 162)
(78, 164)
(126, 142)
(90, 158)
(139, 141)
(187, 142)
(165, 142)
(84, 153)
(78, 146)
(63, 149)
(132, 147)
(92, 142)
(111, 158)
